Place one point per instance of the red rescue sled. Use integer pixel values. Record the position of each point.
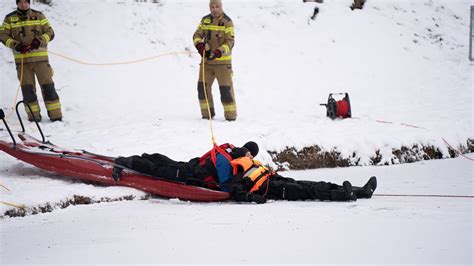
(89, 167)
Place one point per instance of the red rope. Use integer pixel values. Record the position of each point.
(407, 125)
(459, 152)
(268, 183)
(425, 196)
(383, 122)
(420, 127)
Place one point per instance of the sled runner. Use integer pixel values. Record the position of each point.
(89, 167)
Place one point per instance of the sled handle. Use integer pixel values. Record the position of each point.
(2, 116)
(34, 118)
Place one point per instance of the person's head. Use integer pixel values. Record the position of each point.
(240, 152)
(215, 6)
(23, 4)
(252, 147)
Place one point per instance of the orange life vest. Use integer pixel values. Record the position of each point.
(253, 170)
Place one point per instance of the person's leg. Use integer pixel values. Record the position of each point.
(284, 188)
(136, 163)
(28, 88)
(176, 172)
(224, 78)
(328, 191)
(158, 159)
(367, 190)
(44, 73)
(210, 76)
(164, 167)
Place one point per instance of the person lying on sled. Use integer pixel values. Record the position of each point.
(253, 182)
(212, 170)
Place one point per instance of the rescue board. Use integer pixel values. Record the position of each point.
(95, 168)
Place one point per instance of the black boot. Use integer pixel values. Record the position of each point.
(117, 170)
(344, 194)
(367, 190)
(117, 173)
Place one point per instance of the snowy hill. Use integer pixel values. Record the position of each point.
(404, 64)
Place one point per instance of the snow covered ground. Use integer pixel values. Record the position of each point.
(401, 61)
(382, 230)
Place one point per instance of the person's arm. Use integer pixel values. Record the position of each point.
(198, 38)
(48, 33)
(224, 172)
(228, 44)
(239, 192)
(6, 35)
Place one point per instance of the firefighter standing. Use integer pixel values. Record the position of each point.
(28, 33)
(215, 38)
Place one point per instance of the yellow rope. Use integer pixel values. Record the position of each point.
(13, 205)
(132, 62)
(92, 64)
(17, 90)
(1, 185)
(150, 58)
(120, 63)
(205, 95)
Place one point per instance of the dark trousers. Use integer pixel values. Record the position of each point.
(158, 165)
(289, 189)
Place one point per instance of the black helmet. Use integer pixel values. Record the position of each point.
(239, 152)
(252, 147)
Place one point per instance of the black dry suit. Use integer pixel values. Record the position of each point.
(199, 171)
(243, 186)
(158, 165)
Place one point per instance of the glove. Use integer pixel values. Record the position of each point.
(21, 48)
(200, 47)
(214, 54)
(256, 198)
(35, 44)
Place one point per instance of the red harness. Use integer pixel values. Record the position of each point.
(224, 149)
